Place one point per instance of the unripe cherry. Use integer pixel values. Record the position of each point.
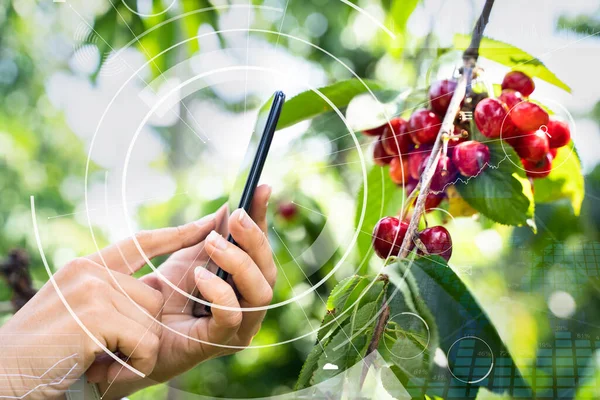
(529, 116)
(518, 81)
(380, 157)
(559, 133)
(396, 141)
(533, 146)
(489, 116)
(440, 94)
(445, 173)
(399, 170)
(388, 235)
(374, 131)
(539, 169)
(470, 158)
(424, 126)
(437, 241)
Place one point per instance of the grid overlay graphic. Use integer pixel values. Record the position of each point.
(562, 363)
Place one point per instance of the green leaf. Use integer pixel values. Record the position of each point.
(345, 350)
(501, 192)
(564, 182)
(513, 57)
(309, 104)
(382, 196)
(309, 368)
(337, 301)
(454, 306)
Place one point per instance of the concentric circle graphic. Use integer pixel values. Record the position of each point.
(466, 369)
(425, 346)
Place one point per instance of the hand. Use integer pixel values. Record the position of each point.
(252, 270)
(117, 310)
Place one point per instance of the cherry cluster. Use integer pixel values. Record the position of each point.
(406, 146)
(523, 124)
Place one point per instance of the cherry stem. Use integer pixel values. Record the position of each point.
(470, 56)
(409, 200)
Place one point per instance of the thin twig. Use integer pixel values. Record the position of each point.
(470, 57)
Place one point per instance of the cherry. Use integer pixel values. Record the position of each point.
(470, 158)
(388, 236)
(445, 173)
(399, 170)
(459, 138)
(559, 134)
(415, 159)
(424, 126)
(528, 116)
(533, 146)
(553, 152)
(518, 81)
(433, 200)
(374, 131)
(396, 141)
(287, 210)
(539, 169)
(510, 97)
(440, 94)
(380, 157)
(410, 186)
(489, 116)
(437, 241)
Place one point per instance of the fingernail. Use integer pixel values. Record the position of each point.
(203, 273)
(217, 240)
(206, 219)
(244, 219)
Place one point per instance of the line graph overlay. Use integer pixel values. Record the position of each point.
(39, 365)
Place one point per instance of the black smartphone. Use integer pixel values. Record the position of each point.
(245, 184)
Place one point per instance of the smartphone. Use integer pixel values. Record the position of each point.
(245, 184)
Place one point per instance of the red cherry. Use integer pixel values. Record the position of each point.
(440, 94)
(471, 157)
(489, 116)
(287, 210)
(388, 236)
(553, 152)
(518, 81)
(433, 200)
(457, 140)
(380, 157)
(528, 116)
(415, 159)
(559, 133)
(396, 141)
(375, 131)
(424, 126)
(510, 97)
(399, 170)
(437, 241)
(445, 173)
(533, 146)
(539, 169)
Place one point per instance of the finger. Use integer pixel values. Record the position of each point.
(126, 257)
(250, 326)
(223, 324)
(254, 242)
(146, 318)
(248, 278)
(137, 343)
(138, 291)
(258, 210)
(195, 252)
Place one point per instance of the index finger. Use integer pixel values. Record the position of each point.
(129, 255)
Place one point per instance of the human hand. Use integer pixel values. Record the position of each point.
(118, 311)
(252, 270)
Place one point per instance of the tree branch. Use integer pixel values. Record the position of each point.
(470, 56)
